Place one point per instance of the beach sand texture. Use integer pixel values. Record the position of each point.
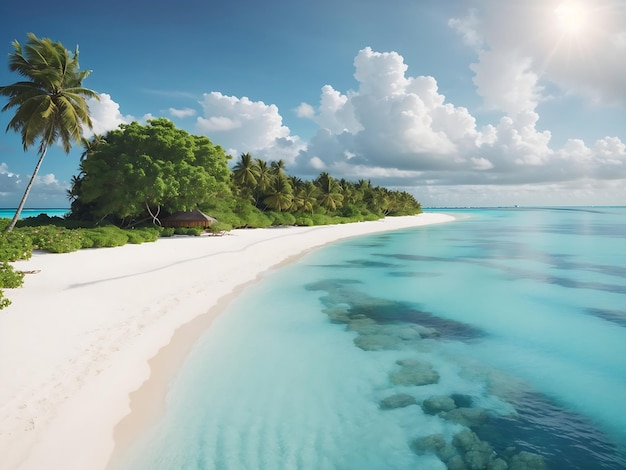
(78, 337)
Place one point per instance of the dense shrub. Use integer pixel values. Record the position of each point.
(4, 302)
(219, 227)
(238, 213)
(191, 231)
(141, 235)
(134, 237)
(350, 220)
(15, 245)
(167, 231)
(369, 216)
(258, 220)
(323, 219)
(350, 210)
(223, 210)
(282, 218)
(102, 237)
(250, 216)
(9, 277)
(55, 239)
(230, 219)
(304, 221)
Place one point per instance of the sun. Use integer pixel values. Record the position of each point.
(571, 18)
(575, 31)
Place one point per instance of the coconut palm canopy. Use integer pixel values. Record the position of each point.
(50, 101)
(193, 218)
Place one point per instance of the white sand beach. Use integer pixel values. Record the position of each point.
(78, 338)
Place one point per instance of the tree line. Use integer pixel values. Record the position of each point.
(141, 173)
(270, 187)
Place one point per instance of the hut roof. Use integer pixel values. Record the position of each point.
(193, 218)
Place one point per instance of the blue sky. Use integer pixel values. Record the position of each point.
(463, 102)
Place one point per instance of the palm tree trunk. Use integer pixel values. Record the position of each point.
(27, 191)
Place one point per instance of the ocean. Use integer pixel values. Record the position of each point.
(496, 341)
(9, 213)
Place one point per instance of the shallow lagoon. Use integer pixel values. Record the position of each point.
(498, 339)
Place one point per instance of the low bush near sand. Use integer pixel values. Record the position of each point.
(168, 232)
(54, 239)
(10, 278)
(217, 228)
(142, 235)
(282, 218)
(103, 237)
(190, 231)
(304, 221)
(15, 246)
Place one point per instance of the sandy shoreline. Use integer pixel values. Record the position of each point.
(79, 336)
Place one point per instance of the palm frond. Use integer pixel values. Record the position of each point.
(50, 104)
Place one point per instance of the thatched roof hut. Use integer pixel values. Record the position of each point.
(194, 218)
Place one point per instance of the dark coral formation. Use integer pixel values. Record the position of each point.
(399, 400)
(414, 372)
(382, 325)
(345, 304)
(467, 451)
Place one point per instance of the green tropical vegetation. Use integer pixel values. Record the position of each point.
(139, 174)
(131, 178)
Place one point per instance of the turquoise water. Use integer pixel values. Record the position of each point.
(496, 340)
(9, 213)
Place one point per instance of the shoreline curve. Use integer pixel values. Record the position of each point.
(95, 332)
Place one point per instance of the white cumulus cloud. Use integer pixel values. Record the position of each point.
(401, 130)
(182, 113)
(105, 115)
(47, 190)
(506, 81)
(305, 110)
(242, 125)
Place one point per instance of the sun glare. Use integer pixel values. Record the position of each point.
(574, 29)
(571, 18)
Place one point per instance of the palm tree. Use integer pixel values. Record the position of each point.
(265, 176)
(296, 183)
(350, 193)
(90, 145)
(246, 171)
(363, 184)
(279, 194)
(307, 197)
(278, 168)
(330, 195)
(50, 103)
(378, 200)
